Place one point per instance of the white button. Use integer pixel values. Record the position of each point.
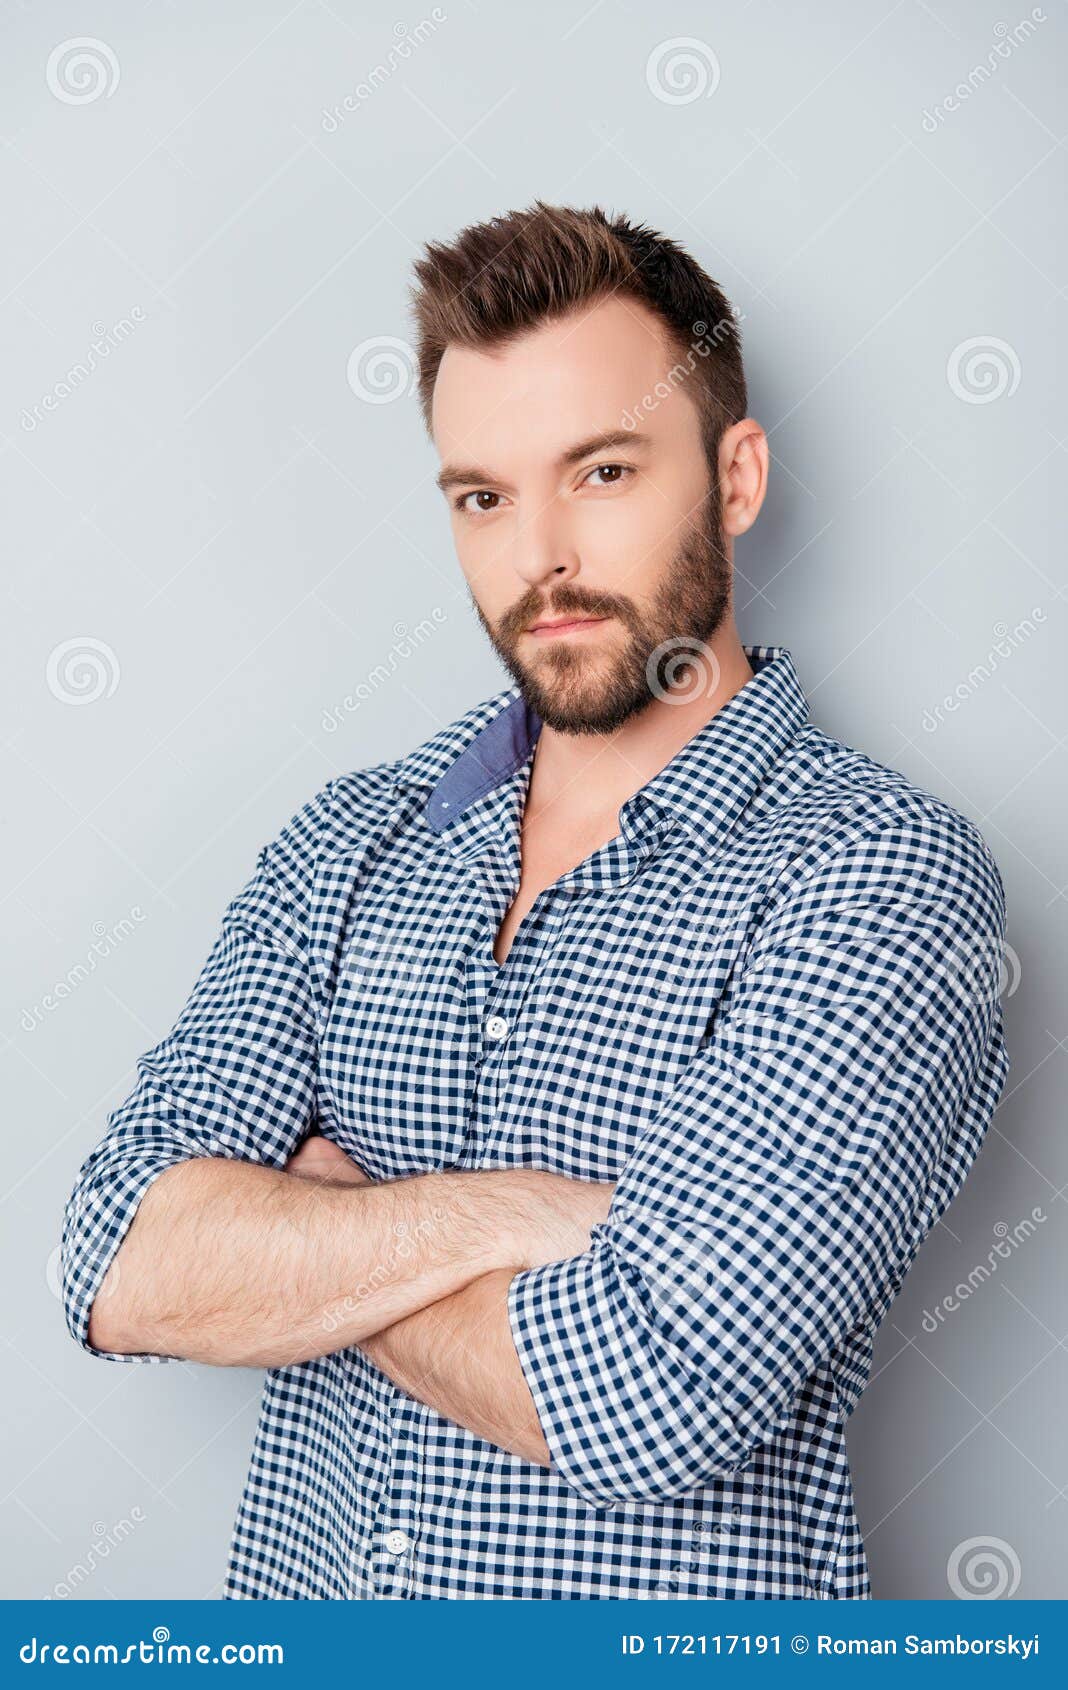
(396, 1542)
(496, 1028)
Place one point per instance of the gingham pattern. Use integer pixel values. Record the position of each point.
(769, 1008)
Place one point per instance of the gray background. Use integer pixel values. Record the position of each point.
(235, 540)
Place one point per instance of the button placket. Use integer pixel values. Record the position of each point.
(395, 1533)
(507, 1029)
(504, 992)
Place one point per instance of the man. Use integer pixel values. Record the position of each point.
(562, 1104)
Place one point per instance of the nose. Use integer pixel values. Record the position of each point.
(543, 552)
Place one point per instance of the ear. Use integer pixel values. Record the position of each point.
(743, 474)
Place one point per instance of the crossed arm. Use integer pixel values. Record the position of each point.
(235, 1264)
(456, 1354)
(769, 1209)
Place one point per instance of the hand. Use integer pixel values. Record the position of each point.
(321, 1159)
(555, 1215)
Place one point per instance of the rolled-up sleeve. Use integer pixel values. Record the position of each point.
(235, 1077)
(779, 1195)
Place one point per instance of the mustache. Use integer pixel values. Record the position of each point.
(565, 603)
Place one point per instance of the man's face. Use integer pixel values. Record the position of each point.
(627, 532)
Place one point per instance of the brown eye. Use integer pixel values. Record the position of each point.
(609, 475)
(462, 505)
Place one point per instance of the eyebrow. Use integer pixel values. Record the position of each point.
(473, 475)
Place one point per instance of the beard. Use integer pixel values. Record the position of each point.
(576, 689)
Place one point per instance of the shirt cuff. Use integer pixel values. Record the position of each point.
(597, 1382)
(96, 1223)
(549, 1335)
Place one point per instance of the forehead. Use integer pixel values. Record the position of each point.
(588, 370)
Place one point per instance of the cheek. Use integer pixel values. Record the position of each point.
(483, 561)
(473, 549)
(628, 538)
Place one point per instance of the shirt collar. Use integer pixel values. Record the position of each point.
(705, 786)
(425, 766)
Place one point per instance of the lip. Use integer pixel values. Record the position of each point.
(567, 625)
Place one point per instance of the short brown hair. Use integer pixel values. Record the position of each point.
(499, 279)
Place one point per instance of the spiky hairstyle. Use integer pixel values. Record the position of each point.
(499, 279)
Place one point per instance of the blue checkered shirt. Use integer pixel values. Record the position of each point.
(768, 1008)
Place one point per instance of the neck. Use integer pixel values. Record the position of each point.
(596, 773)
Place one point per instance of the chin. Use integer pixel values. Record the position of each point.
(586, 709)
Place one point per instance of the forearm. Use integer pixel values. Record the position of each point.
(236, 1264)
(457, 1356)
